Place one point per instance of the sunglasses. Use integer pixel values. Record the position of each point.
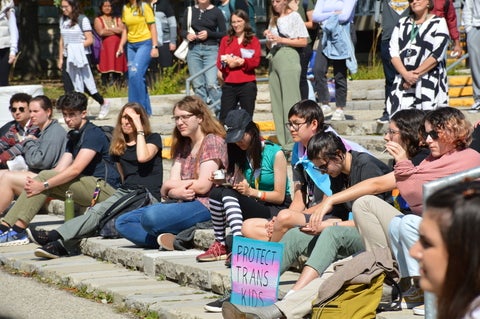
(433, 134)
(14, 109)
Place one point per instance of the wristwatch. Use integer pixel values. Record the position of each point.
(46, 185)
(154, 46)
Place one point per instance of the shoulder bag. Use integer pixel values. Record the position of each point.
(182, 50)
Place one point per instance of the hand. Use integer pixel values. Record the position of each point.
(320, 210)
(135, 117)
(33, 187)
(60, 63)
(154, 53)
(185, 193)
(243, 188)
(119, 52)
(410, 77)
(324, 224)
(191, 37)
(172, 46)
(396, 150)
(202, 35)
(11, 58)
(457, 51)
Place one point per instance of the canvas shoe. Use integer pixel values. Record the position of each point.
(327, 110)
(413, 297)
(165, 241)
(216, 306)
(419, 310)
(384, 119)
(338, 115)
(104, 110)
(12, 238)
(475, 107)
(52, 250)
(39, 237)
(216, 251)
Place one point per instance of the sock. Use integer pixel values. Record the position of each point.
(3, 228)
(53, 236)
(18, 229)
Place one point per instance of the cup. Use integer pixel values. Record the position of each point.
(219, 175)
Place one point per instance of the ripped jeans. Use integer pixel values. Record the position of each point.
(205, 85)
(138, 55)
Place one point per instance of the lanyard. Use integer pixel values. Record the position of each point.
(414, 32)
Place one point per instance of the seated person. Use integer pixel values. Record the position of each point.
(137, 153)
(259, 177)
(40, 153)
(85, 165)
(198, 149)
(14, 131)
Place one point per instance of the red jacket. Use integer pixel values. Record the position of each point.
(243, 74)
(450, 16)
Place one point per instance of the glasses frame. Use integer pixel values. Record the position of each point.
(294, 126)
(14, 109)
(183, 118)
(391, 132)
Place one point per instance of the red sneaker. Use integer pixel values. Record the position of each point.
(216, 251)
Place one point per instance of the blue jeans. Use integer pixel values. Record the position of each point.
(403, 233)
(138, 55)
(205, 85)
(142, 226)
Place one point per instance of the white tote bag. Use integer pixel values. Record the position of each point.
(182, 50)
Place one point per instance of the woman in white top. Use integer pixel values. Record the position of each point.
(8, 39)
(286, 34)
(73, 49)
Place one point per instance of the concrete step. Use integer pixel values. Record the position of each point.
(172, 284)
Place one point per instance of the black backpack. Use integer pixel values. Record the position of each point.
(137, 197)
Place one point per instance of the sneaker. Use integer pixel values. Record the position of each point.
(51, 250)
(216, 251)
(413, 297)
(419, 310)
(475, 107)
(12, 238)
(165, 241)
(104, 110)
(39, 237)
(327, 110)
(216, 306)
(384, 119)
(338, 115)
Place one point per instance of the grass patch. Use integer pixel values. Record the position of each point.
(369, 72)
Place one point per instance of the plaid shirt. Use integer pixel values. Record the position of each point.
(11, 144)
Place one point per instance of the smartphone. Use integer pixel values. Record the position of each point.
(227, 185)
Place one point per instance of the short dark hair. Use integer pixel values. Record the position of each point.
(20, 97)
(327, 144)
(308, 110)
(72, 101)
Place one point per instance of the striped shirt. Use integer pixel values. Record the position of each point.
(74, 34)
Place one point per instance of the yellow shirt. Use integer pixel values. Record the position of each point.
(138, 25)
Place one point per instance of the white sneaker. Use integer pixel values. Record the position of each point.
(338, 115)
(327, 110)
(475, 107)
(419, 310)
(104, 110)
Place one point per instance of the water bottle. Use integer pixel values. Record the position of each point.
(69, 205)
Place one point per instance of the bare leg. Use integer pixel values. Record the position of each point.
(255, 228)
(307, 275)
(286, 219)
(12, 184)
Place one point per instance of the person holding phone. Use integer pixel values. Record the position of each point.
(258, 178)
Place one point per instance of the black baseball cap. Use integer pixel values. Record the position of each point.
(235, 125)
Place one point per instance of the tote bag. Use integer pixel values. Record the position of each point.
(182, 50)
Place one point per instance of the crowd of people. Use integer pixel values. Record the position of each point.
(342, 200)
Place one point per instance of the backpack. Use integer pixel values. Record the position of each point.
(391, 295)
(352, 301)
(137, 197)
(97, 41)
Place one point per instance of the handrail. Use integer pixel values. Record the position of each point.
(454, 64)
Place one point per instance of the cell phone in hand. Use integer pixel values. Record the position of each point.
(227, 185)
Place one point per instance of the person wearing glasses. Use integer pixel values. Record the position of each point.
(198, 149)
(417, 47)
(12, 133)
(40, 151)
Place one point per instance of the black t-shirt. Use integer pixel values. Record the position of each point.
(101, 166)
(149, 174)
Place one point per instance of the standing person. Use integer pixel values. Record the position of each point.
(417, 48)
(259, 182)
(471, 23)
(337, 48)
(392, 11)
(224, 6)
(198, 149)
(14, 131)
(166, 24)
(41, 151)
(140, 35)
(85, 166)
(447, 250)
(74, 54)
(8, 39)
(136, 151)
(238, 57)
(286, 32)
(208, 25)
(110, 28)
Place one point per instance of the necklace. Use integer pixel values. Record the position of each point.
(110, 22)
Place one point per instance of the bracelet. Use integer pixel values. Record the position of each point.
(264, 196)
(141, 133)
(259, 194)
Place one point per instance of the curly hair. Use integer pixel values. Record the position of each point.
(410, 123)
(248, 31)
(452, 126)
(455, 210)
(181, 145)
(120, 139)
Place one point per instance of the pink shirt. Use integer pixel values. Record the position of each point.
(410, 178)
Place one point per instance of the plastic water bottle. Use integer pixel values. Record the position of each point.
(69, 205)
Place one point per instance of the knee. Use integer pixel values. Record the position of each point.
(362, 204)
(284, 219)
